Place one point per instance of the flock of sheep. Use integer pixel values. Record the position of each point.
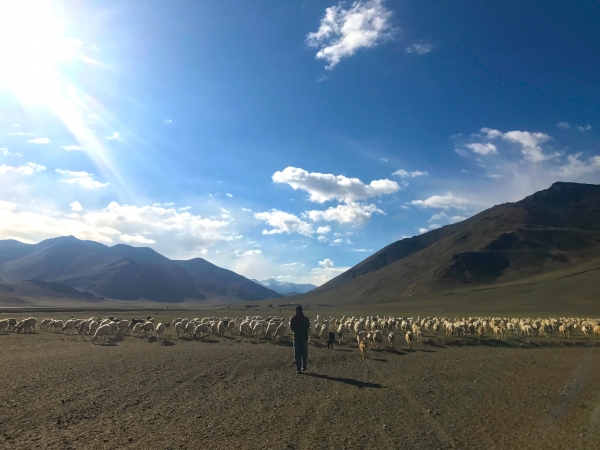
(368, 331)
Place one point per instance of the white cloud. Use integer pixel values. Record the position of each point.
(5, 151)
(248, 210)
(84, 179)
(71, 148)
(322, 239)
(357, 214)
(461, 152)
(39, 141)
(588, 127)
(114, 137)
(168, 120)
(26, 169)
(136, 239)
(241, 254)
(530, 144)
(184, 208)
(322, 187)
(176, 234)
(575, 167)
(229, 195)
(483, 149)
(337, 241)
(423, 230)
(446, 201)
(419, 49)
(442, 217)
(76, 206)
(344, 31)
(283, 222)
(326, 263)
(491, 133)
(324, 230)
(563, 125)
(404, 174)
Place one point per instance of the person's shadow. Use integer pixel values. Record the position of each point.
(350, 381)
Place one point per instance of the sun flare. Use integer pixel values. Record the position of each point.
(32, 49)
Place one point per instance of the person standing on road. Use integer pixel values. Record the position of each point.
(300, 325)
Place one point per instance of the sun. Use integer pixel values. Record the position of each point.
(32, 50)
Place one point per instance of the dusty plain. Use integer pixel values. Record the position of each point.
(62, 391)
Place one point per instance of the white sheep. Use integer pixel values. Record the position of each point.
(178, 329)
(102, 331)
(159, 331)
(27, 325)
(391, 339)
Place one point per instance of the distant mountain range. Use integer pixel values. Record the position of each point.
(120, 272)
(550, 234)
(285, 288)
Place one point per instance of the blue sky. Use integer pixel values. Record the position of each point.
(287, 139)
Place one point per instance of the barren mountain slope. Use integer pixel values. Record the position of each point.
(551, 230)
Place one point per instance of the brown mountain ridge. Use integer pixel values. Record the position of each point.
(553, 231)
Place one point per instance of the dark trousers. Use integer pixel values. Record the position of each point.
(300, 353)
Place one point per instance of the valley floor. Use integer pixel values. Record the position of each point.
(60, 391)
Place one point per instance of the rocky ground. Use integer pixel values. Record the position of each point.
(60, 391)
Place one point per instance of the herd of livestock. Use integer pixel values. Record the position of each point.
(368, 331)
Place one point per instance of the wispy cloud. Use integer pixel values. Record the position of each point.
(405, 174)
(114, 137)
(39, 141)
(26, 169)
(84, 179)
(563, 125)
(72, 148)
(446, 201)
(419, 49)
(344, 31)
(587, 127)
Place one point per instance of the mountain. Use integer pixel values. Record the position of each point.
(285, 288)
(122, 272)
(548, 234)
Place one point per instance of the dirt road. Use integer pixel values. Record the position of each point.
(60, 391)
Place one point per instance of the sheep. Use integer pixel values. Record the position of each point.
(377, 338)
(409, 339)
(137, 329)
(201, 329)
(159, 331)
(391, 339)
(69, 326)
(4, 324)
(245, 328)
(148, 328)
(27, 325)
(340, 333)
(12, 324)
(178, 329)
(220, 328)
(188, 327)
(597, 330)
(280, 332)
(271, 328)
(102, 331)
(362, 347)
(44, 323)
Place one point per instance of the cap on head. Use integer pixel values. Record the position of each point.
(298, 308)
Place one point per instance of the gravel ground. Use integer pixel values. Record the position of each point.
(60, 391)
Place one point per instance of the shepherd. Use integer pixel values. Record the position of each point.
(300, 325)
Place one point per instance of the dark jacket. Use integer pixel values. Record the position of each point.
(300, 324)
